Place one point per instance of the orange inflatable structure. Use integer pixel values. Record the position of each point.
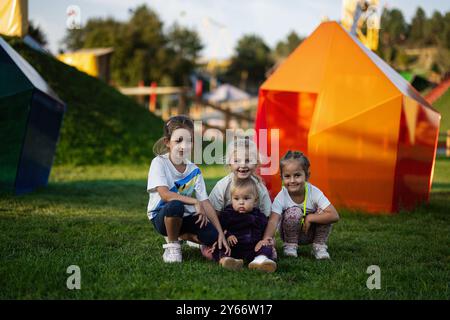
(371, 138)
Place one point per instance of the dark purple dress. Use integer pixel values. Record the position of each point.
(248, 228)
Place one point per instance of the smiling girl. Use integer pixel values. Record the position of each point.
(172, 179)
(242, 159)
(306, 214)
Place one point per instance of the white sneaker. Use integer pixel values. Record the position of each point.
(290, 250)
(320, 251)
(263, 263)
(189, 243)
(172, 252)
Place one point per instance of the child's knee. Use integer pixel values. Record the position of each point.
(292, 215)
(209, 235)
(175, 208)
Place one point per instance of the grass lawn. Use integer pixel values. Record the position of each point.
(443, 106)
(95, 217)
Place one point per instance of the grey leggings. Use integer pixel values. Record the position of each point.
(291, 233)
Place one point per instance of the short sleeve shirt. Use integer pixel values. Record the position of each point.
(316, 200)
(163, 173)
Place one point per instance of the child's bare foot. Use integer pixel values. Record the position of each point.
(231, 263)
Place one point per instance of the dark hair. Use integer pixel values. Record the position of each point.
(173, 123)
(299, 156)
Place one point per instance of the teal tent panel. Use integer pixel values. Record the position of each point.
(12, 80)
(14, 112)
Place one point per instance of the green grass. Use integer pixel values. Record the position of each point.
(101, 125)
(443, 106)
(95, 217)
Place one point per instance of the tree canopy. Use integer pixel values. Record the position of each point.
(143, 51)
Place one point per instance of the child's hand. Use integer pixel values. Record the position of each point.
(212, 248)
(200, 212)
(307, 223)
(263, 242)
(222, 243)
(232, 240)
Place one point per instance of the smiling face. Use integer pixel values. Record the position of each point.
(242, 164)
(243, 199)
(180, 146)
(293, 176)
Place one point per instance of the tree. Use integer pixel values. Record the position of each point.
(394, 29)
(437, 29)
(250, 62)
(37, 34)
(284, 48)
(142, 51)
(418, 27)
(183, 47)
(394, 32)
(446, 33)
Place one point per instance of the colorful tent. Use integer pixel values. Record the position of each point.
(94, 62)
(30, 119)
(370, 136)
(14, 17)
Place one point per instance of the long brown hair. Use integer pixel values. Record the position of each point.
(173, 123)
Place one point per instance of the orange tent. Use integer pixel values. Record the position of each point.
(371, 138)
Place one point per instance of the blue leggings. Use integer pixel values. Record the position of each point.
(175, 208)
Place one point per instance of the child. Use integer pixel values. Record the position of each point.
(296, 197)
(171, 180)
(242, 158)
(244, 225)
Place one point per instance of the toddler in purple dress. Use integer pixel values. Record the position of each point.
(244, 226)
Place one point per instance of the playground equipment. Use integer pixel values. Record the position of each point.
(370, 136)
(224, 110)
(14, 17)
(30, 119)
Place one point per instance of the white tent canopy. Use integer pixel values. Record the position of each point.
(226, 92)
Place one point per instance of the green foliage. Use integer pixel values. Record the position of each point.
(37, 33)
(250, 62)
(142, 51)
(183, 47)
(419, 27)
(396, 35)
(285, 47)
(101, 125)
(443, 106)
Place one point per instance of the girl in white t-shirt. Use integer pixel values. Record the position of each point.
(242, 158)
(306, 214)
(172, 179)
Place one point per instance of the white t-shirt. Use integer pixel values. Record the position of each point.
(316, 200)
(220, 195)
(163, 173)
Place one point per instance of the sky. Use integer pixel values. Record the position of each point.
(220, 23)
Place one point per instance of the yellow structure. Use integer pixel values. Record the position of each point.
(356, 13)
(94, 62)
(14, 17)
